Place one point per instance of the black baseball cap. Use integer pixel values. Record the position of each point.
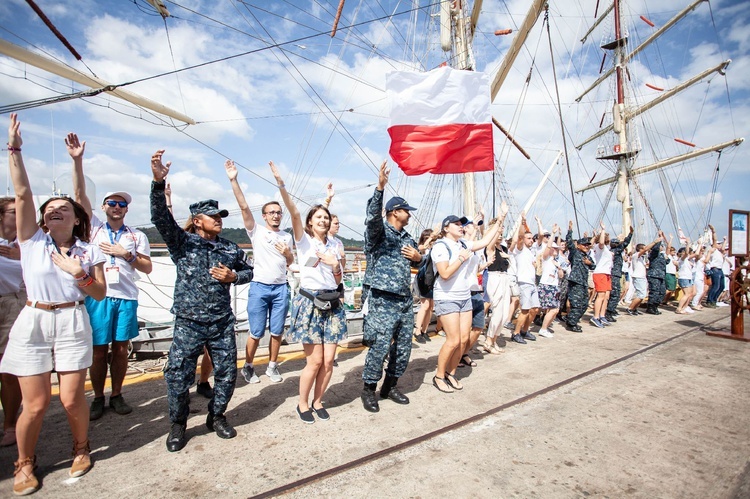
(209, 207)
(397, 203)
(451, 219)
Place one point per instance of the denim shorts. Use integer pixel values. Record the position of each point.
(477, 311)
(445, 307)
(685, 283)
(267, 303)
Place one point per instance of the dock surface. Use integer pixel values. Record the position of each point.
(649, 407)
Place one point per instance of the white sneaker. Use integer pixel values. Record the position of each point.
(688, 310)
(545, 333)
(721, 304)
(273, 374)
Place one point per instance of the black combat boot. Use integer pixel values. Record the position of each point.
(389, 390)
(369, 399)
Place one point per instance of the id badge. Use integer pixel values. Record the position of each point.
(112, 275)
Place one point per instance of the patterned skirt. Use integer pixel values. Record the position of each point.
(310, 325)
(549, 296)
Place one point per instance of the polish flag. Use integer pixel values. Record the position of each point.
(440, 121)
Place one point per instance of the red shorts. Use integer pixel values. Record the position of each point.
(602, 282)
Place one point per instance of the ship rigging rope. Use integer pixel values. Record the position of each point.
(174, 64)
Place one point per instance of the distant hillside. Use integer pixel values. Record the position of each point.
(239, 236)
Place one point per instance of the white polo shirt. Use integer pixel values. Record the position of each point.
(458, 287)
(269, 264)
(132, 240)
(11, 275)
(45, 281)
(314, 274)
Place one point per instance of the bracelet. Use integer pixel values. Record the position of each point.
(461, 259)
(12, 149)
(281, 185)
(132, 258)
(169, 206)
(328, 200)
(87, 283)
(82, 276)
(339, 271)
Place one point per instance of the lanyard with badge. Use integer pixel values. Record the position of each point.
(112, 273)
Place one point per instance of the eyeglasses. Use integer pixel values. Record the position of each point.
(113, 203)
(273, 213)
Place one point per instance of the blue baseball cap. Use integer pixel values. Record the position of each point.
(451, 219)
(397, 203)
(207, 207)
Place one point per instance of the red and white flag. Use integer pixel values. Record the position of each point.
(440, 121)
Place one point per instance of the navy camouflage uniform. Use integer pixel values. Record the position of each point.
(578, 281)
(614, 296)
(388, 325)
(202, 309)
(657, 271)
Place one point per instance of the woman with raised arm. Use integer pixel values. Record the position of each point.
(60, 268)
(452, 293)
(318, 319)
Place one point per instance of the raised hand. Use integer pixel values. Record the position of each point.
(14, 132)
(570, 225)
(329, 191)
(276, 174)
(159, 169)
(231, 169)
(383, 174)
(503, 208)
(74, 146)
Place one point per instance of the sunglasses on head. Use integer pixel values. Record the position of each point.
(113, 203)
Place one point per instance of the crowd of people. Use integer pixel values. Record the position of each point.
(68, 296)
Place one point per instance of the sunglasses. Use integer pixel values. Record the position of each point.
(121, 204)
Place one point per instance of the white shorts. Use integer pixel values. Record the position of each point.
(529, 296)
(641, 287)
(42, 340)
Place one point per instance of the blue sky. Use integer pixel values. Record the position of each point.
(317, 108)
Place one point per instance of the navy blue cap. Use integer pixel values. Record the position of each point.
(397, 203)
(584, 240)
(207, 207)
(451, 219)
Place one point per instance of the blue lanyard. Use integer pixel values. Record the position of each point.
(70, 250)
(114, 240)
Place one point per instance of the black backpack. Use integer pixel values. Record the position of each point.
(426, 273)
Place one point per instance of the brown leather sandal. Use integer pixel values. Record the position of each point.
(30, 483)
(81, 466)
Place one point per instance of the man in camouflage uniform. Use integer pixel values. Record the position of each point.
(207, 265)
(387, 329)
(617, 248)
(578, 280)
(657, 271)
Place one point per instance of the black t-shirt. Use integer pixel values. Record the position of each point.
(500, 264)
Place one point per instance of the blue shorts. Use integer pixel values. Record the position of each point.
(685, 283)
(267, 303)
(477, 311)
(112, 319)
(445, 307)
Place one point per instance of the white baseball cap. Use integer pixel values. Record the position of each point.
(124, 195)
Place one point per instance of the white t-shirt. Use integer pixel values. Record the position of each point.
(132, 240)
(639, 265)
(339, 246)
(269, 265)
(319, 276)
(458, 287)
(727, 266)
(525, 271)
(686, 269)
(716, 260)
(603, 259)
(671, 267)
(11, 275)
(625, 266)
(549, 272)
(45, 281)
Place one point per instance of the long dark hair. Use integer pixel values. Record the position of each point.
(308, 219)
(83, 230)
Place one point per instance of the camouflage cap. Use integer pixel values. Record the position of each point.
(207, 207)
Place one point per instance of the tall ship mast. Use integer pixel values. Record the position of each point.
(619, 141)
